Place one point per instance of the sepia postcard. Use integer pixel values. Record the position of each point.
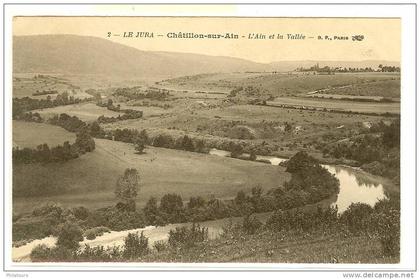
(161, 137)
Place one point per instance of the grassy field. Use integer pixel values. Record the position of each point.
(29, 84)
(262, 122)
(283, 84)
(339, 105)
(90, 179)
(390, 88)
(86, 111)
(30, 134)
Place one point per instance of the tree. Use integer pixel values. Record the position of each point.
(187, 144)
(196, 202)
(252, 155)
(144, 136)
(135, 246)
(139, 146)
(236, 149)
(44, 153)
(391, 135)
(127, 188)
(300, 161)
(69, 236)
(171, 208)
(199, 146)
(151, 211)
(96, 130)
(84, 141)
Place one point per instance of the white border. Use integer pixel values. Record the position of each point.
(407, 15)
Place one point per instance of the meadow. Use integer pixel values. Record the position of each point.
(390, 88)
(34, 86)
(286, 84)
(337, 105)
(86, 111)
(90, 179)
(30, 134)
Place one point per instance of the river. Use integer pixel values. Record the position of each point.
(355, 186)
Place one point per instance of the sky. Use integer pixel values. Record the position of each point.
(381, 36)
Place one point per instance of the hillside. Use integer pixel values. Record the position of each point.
(90, 179)
(71, 54)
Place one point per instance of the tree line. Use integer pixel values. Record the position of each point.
(138, 93)
(60, 153)
(377, 151)
(128, 113)
(380, 223)
(22, 105)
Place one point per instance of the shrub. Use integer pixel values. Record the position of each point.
(69, 236)
(126, 189)
(160, 246)
(386, 223)
(48, 209)
(151, 211)
(171, 207)
(98, 254)
(81, 213)
(357, 217)
(135, 246)
(115, 219)
(187, 237)
(302, 220)
(300, 161)
(40, 253)
(250, 225)
(94, 232)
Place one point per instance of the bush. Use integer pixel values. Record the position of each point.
(42, 253)
(98, 254)
(94, 232)
(135, 246)
(81, 213)
(127, 188)
(43, 222)
(160, 246)
(299, 162)
(115, 219)
(357, 217)
(48, 209)
(171, 207)
(151, 211)
(69, 236)
(251, 225)
(386, 223)
(303, 220)
(185, 237)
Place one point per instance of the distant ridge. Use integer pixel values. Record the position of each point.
(90, 55)
(72, 54)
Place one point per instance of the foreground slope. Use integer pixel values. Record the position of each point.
(90, 179)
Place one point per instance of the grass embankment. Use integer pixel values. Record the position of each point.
(275, 247)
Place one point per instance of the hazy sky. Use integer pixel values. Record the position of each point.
(381, 36)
